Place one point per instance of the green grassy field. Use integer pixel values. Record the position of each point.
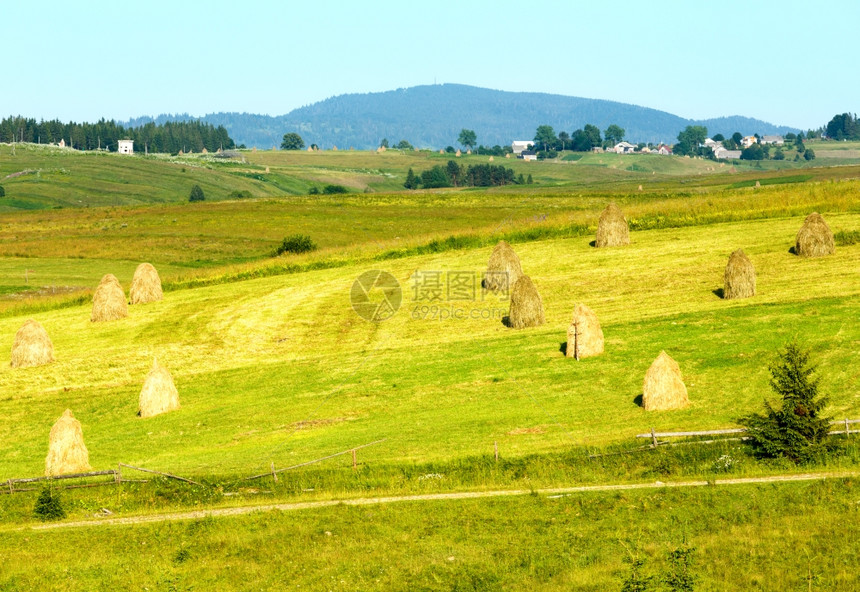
(273, 366)
(253, 359)
(742, 538)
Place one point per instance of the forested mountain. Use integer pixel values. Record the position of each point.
(432, 117)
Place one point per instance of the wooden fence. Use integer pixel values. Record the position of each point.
(654, 435)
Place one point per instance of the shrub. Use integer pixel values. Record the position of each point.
(2, 191)
(314, 190)
(847, 237)
(809, 154)
(296, 243)
(239, 194)
(48, 506)
(798, 430)
(334, 189)
(196, 194)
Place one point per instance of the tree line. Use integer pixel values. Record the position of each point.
(170, 136)
(455, 175)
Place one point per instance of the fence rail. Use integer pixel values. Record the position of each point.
(654, 435)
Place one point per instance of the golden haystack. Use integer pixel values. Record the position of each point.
(145, 285)
(584, 336)
(32, 346)
(739, 277)
(109, 300)
(503, 269)
(158, 394)
(663, 388)
(814, 239)
(66, 450)
(526, 305)
(612, 228)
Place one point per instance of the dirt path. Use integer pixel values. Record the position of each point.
(367, 501)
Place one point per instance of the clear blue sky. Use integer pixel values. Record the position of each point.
(787, 62)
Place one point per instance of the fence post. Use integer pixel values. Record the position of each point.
(654, 442)
(496, 450)
(118, 475)
(354, 462)
(847, 431)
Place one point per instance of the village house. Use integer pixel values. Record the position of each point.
(624, 148)
(517, 146)
(748, 141)
(721, 153)
(664, 150)
(528, 155)
(776, 140)
(125, 146)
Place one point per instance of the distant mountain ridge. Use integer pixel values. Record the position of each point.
(432, 116)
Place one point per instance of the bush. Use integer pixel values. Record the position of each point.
(196, 194)
(239, 194)
(2, 191)
(48, 506)
(333, 189)
(809, 154)
(314, 190)
(297, 243)
(798, 430)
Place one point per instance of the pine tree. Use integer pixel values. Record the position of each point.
(411, 180)
(798, 430)
(196, 194)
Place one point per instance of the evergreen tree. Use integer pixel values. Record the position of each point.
(196, 194)
(411, 180)
(798, 430)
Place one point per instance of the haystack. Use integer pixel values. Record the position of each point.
(32, 346)
(663, 388)
(612, 229)
(503, 269)
(814, 239)
(739, 277)
(158, 394)
(109, 300)
(526, 305)
(66, 450)
(584, 336)
(145, 285)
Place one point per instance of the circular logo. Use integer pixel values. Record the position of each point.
(376, 295)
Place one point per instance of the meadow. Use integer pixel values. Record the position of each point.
(275, 368)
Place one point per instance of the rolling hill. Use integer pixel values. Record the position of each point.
(432, 116)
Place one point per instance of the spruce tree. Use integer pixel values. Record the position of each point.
(798, 430)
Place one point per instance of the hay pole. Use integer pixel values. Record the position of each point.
(160, 473)
(310, 462)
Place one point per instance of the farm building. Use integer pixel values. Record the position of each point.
(517, 146)
(528, 155)
(125, 146)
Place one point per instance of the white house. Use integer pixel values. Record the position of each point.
(125, 146)
(748, 141)
(664, 150)
(777, 140)
(528, 155)
(624, 148)
(519, 145)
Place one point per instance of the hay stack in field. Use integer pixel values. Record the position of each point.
(158, 394)
(739, 279)
(526, 305)
(145, 285)
(109, 300)
(584, 336)
(503, 269)
(612, 230)
(66, 450)
(664, 388)
(814, 239)
(32, 346)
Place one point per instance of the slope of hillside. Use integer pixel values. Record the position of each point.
(432, 116)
